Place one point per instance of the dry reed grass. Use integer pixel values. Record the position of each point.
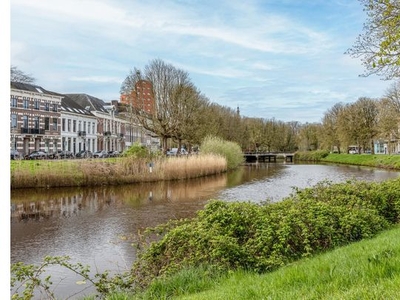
(123, 170)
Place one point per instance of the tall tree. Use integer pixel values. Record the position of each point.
(17, 75)
(308, 137)
(170, 89)
(389, 115)
(330, 123)
(379, 44)
(367, 110)
(358, 123)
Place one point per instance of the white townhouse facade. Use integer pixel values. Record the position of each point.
(34, 118)
(78, 127)
(111, 129)
(49, 121)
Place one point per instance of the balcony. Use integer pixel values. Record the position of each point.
(32, 131)
(82, 133)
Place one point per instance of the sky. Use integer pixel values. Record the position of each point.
(274, 59)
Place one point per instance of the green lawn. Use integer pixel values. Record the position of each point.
(375, 160)
(369, 269)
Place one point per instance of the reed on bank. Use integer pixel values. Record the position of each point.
(112, 171)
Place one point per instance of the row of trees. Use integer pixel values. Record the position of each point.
(183, 114)
(364, 121)
(186, 116)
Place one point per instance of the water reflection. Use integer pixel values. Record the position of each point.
(280, 182)
(94, 226)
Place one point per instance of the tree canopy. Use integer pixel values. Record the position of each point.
(17, 75)
(379, 44)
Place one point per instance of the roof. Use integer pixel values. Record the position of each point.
(85, 100)
(31, 88)
(69, 105)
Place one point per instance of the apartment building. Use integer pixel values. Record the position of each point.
(49, 121)
(141, 97)
(111, 129)
(78, 127)
(35, 118)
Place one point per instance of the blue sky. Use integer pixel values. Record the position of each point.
(281, 59)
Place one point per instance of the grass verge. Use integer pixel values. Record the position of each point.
(370, 160)
(369, 269)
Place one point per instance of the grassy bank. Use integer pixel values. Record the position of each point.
(370, 160)
(369, 269)
(230, 249)
(111, 171)
(335, 241)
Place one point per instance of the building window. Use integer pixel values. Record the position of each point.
(36, 104)
(26, 103)
(74, 126)
(25, 121)
(63, 124)
(36, 122)
(55, 123)
(46, 106)
(14, 101)
(46, 123)
(13, 121)
(69, 125)
(55, 107)
(79, 126)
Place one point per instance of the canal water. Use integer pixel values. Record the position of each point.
(97, 226)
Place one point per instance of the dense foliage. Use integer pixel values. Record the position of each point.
(229, 150)
(241, 236)
(264, 237)
(137, 151)
(378, 45)
(311, 155)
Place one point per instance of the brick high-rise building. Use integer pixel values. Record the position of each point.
(141, 98)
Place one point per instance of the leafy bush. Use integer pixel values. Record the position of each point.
(137, 151)
(311, 155)
(226, 236)
(263, 237)
(230, 150)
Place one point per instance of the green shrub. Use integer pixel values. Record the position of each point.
(263, 237)
(230, 150)
(137, 151)
(311, 155)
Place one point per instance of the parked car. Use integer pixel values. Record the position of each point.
(37, 155)
(84, 154)
(174, 152)
(100, 154)
(15, 154)
(113, 153)
(54, 155)
(67, 154)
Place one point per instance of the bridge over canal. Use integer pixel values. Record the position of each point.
(268, 157)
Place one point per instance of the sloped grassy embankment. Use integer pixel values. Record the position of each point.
(238, 242)
(369, 160)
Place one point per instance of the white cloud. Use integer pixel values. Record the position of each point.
(97, 79)
(263, 55)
